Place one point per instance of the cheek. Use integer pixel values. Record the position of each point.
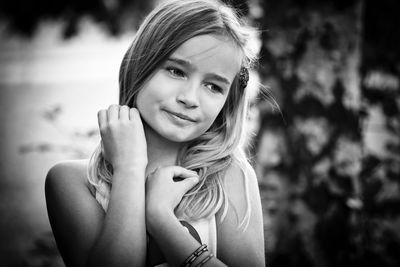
(145, 103)
(212, 109)
(151, 91)
(148, 95)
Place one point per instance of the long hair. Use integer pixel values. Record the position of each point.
(166, 28)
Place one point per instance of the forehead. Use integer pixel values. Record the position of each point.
(212, 54)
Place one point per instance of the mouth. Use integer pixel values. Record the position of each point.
(181, 116)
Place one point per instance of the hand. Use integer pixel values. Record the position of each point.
(163, 192)
(123, 138)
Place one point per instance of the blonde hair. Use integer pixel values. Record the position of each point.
(166, 28)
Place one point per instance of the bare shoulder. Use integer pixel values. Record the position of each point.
(240, 183)
(66, 174)
(241, 245)
(74, 214)
(236, 176)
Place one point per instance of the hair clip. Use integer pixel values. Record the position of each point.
(243, 77)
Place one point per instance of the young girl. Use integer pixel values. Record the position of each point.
(169, 185)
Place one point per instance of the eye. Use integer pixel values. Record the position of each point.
(175, 72)
(215, 88)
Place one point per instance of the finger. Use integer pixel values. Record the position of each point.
(112, 113)
(178, 171)
(102, 118)
(124, 113)
(133, 114)
(187, 183)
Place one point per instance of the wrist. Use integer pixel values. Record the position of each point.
(129, 168)
(129, 172)
(157, 217)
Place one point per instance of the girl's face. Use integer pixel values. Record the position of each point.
(185, 95)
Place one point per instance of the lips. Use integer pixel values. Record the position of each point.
(181, 116)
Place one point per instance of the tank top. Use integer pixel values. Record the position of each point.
(204, 230)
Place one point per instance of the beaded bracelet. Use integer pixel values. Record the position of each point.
(205, 260)
(192, 257)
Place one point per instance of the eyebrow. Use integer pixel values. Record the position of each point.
(189, 65)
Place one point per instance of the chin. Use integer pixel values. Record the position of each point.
(179, 137)
(177, 134)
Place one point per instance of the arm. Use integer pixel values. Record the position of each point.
(68, 198)
(122, 240)
(84, 234)
(235, 248)
(163, 194)
(175, 242)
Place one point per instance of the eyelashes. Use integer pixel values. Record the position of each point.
(175, 72)
(215, 88)
(178, 73)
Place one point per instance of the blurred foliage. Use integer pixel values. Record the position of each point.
(23, 16)
(75, 144)
(42, 253)
(116, 16)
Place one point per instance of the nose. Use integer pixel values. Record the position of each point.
(188, 95)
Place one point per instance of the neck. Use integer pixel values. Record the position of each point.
(160, 151)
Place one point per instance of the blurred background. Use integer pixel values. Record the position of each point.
(328, 164)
